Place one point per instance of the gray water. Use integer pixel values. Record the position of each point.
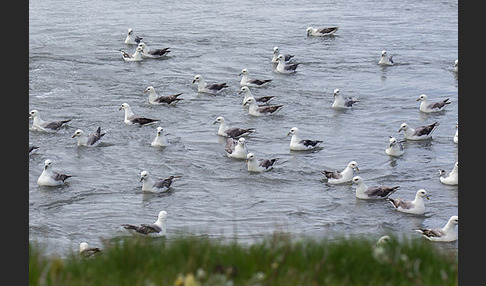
(76, 72)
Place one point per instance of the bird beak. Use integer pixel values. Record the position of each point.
(239, 92)
(240, 74)
(74, 135)
(288, 134)
(418, 99)
(357, 169)
(193, 81)
(141, 179)
(427, 197)
(120, 108)
(145, 91)
(214, 122)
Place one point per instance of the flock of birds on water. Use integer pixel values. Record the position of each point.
(236, 142)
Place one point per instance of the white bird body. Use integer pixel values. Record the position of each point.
(321, 32)
(130, 118)
(283, 67)
(153, 53)
(450, 178)
(86, 251)
(246, 81)
(346, 175)
(255, 110)
(298, 144)
(385, 60)
(136, 57)
(417, 206)
(156, 229)
(276, 53)
(341, 102)
(260, 165)
(50, 178)
(395, 148)
(236, 148)
(428, 107)
(94, 139)
(445, 234)
(45, 126)
(207, 88)
(419, 133)
(131, 39)
(159, 186)
(375, 192)
(160, 139)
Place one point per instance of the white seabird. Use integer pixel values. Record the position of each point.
(136, 57)
(156, 229)
(445, 234)
(233, 132)
(283, 67)
(298, 144)
(395, 148)
(246, 81)
(158, 186)
(156, 99)
(385, 60)
(86, 251)
(428, 107)
(153, 53)
(256, 110)
(46, 126)
(276, 53)
(92, 139)
(450, 178)
(160, 139)
(259, 165)
(344, 176)
(131, 118)
(131, 39)
(320, 32)
(261, 99)
(236, 148)
(208, 88)
(419, 133)
(375, 192)
(456, 66)
(50, 178)
(417, 206)
(341, 102)
(456, 136)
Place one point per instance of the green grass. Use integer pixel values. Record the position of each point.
(277, 260)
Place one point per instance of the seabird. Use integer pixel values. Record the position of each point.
(283, 67)
(154, 98)
(236, 148)
(208, 88)
(450, 178)
(160, 139)
(419, 133)
(86, 251)
(385, 60)
(428, 107)
(233, 132)
(445, 234)
(246, 81)
(136, 57)
(276, 53)
(158, 186)
(344, 176)
(375, 192)
(261, 99)
(156, 229)
(320, 32)
(395, 148)
(456, 66)
(298, 144)
(131, 38)
(456, 136)
(259, 165)
(47, 126)
(131, 118)
(341, 102)
(256, 110)
(153, 53)
(92, 140)
(50, 178)
(417, 206)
